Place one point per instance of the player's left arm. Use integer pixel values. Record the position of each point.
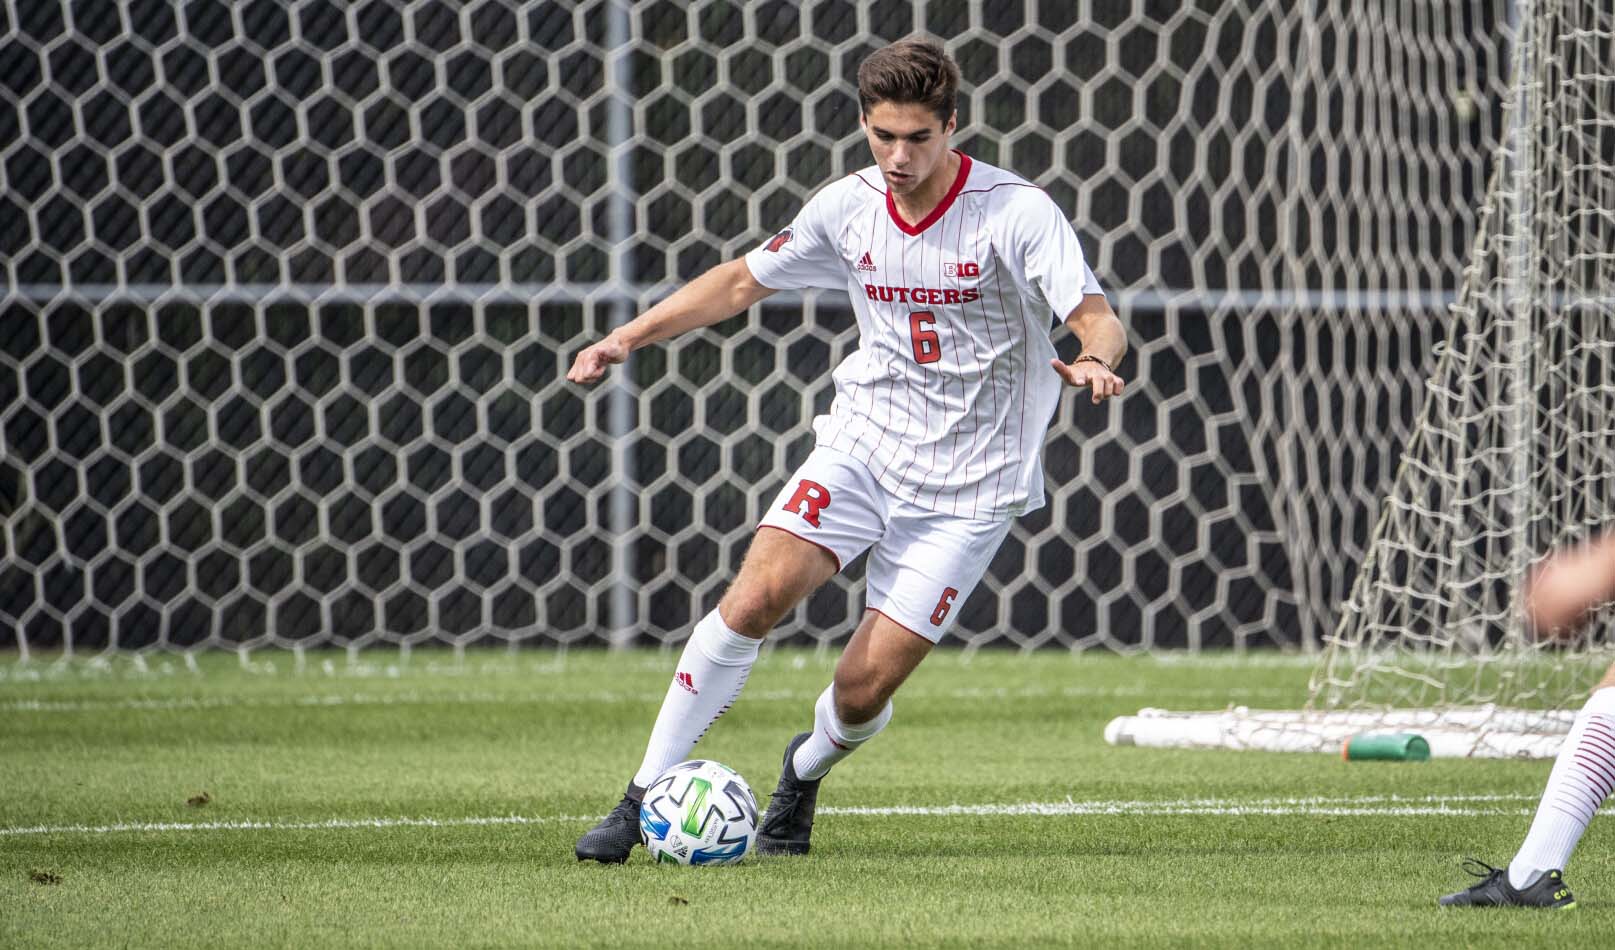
(1104, 343)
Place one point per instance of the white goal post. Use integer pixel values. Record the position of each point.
(1513, 458)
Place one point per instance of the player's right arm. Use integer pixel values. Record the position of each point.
(713, 297)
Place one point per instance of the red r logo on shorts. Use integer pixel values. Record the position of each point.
(810, 499)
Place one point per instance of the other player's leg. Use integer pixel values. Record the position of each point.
(1560, 592)
(1583, 776)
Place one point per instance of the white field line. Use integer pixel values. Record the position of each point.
(609, 697)
(333, 824)
(1368, 806)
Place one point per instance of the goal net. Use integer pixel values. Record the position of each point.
(290, 289)
(1513, 457)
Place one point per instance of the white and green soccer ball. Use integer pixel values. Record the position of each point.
(698, 812)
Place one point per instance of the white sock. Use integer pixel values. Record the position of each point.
(1582, 777)
(710, 673)
(833, 740)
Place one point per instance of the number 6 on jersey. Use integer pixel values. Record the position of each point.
(927, 345)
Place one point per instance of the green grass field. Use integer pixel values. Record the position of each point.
(436, 805)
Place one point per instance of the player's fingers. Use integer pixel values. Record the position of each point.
(1069, 373)
(607, 354)
(586, 369)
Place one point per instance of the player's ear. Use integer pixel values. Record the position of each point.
(952, 123)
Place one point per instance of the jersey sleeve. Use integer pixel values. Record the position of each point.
(1052, 256)
(804, 254)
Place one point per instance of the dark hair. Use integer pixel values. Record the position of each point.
(915, 69)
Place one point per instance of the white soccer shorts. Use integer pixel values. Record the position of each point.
(922, 563)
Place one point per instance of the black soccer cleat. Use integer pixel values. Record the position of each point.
(789, 821)
(1494, 890)
(614, 837)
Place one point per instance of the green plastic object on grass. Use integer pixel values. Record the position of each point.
(1386, 747)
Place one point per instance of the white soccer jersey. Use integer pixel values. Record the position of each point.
(949, 395)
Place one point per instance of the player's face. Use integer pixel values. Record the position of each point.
(908, 142)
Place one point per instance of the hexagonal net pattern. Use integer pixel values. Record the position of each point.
(291, 290)
(1514, 456)
(1512, 462)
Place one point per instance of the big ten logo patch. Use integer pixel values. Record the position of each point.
(961, 269)
(809, 499)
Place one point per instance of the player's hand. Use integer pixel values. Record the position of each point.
(591, 364)
(1102, 382)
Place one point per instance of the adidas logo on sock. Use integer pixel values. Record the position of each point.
(686, 681)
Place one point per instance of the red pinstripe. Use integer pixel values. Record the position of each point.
(998, 287)
(1026, 379)
(992, 369)
(892, 362)
(1594, 777)
(964, 390)
(924, 377)
(868, 309)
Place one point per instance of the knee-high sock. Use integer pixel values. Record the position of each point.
(1582, 777)
(833, 740)
(710, 674)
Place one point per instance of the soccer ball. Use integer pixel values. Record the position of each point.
(698, 812)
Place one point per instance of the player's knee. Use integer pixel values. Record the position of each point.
(754, 608)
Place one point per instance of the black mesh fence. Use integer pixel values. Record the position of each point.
(290, 290)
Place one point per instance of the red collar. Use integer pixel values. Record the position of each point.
(941, 207)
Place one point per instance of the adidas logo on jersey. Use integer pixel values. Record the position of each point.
(866, 262)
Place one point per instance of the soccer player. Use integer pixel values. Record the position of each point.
(932, 444)
(1558, 595)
